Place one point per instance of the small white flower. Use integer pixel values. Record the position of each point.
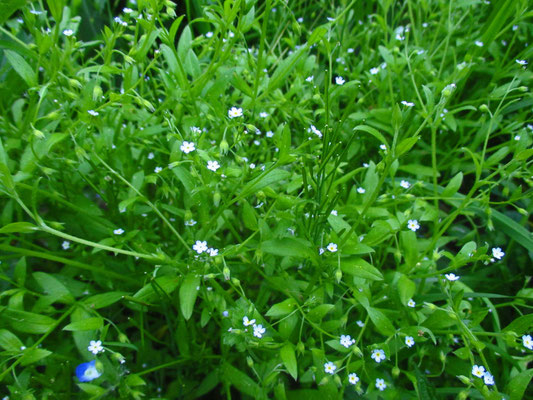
(225, 313)
(248, 322)
(346, 340)
(309, 78)
(409, 341)
(329, 368)
(405, 184)
(383, 147)
(332, 247)
(478, 43)
(527, 341)
(353, 378)
(213, 165)
(235, 112)
(95, 347)
(374, 71)
(321, 251)
(158, 170)
(209, 34)
(68, 32)
(65, 245)
(150, 156)
(252, 165)
(497, 253)
(93, 113)
(361, 190)
(313, 129)
(378, 355)
(339, 80)
(212, 252)
(517, 138)
(413, 225)
(269, 134)
(451, 277)
(187, 147)
(407, 103)
(360, 323)
(300, 20)
(200, 246)
(515, 27)
(263, 114)
(259, 330)
(478, 370)
(195, 129)
(334, 212)
(190, 222)
(118, 231)
(411, 303)
(488, 378)
(351, 50)
(380, 384)
(127, 10)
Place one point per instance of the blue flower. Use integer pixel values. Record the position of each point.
(86, 372)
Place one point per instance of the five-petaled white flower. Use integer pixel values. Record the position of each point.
(497, 253)
(488, 378)
(187, 147)
(360, 323)
(409, 341)
(190, 222)
(235, 112)
(339, 80)
(452, 277)
(118, 231)
(93, 113)
(361, 190)
(247, 322)
(212, 252)
(413, 225)
(346, 340)
(527, 342)
(378, 355)
(95, 346)
(259, 330)
(478, 370)
(329, 368)
(158, 170)
(313, 129)
(213, 165)
(353, 378)
(263, 114)
(332, 247)
(309, 78)
(374, 71)
(407, 103)
(478, 43)
(380, 384)
(68, 32)
(65, 245)
(200, 246)
(405, 184)
(411, 303)
(521, 62)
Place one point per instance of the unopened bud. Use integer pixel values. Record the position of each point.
(227, 274)
(97, 93)
(483, 108)
(300, 348)
(250, 361)
(216, 199)
(464, 379)
(223, 146)
(75, 83)
(38, 134)
(395, 372)
(122, 338)
(338, 275)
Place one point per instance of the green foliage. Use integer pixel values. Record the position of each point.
(254, 200)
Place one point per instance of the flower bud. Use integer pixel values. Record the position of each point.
(223, 146)
(338, 275)
(464, 379)
(97, 93)
(300, 348)
(483, 108)
(250, 361)
(38, 134)
(523, 88)
(122, 338)
(216, 199)
(75, 83)
(357, 351)
(463, 395)
(227, 274)
(395, 372)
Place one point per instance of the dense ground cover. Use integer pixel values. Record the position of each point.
(265, 199)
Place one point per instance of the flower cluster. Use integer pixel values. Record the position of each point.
(201, 247)
(479, 372)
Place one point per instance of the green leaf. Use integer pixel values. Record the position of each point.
(319, 312)
(192, 65)
(518, 385)
(374, 132)
(188, 293)
(381, 322)
(409, 245)
(520, 325)
(453, 186)
(53, 287)
(135, 380)
(265, 180)
(405, 145)
(87, 324)
(56, 8)
(288, 357)
(104, 299)
(249, 216)
(360, 268)
(24, 321)
(19, 227)
(317, 35)
(91, 389)
(33, 355)
(248, 20)
(294, 247)
(21, 67)
(184, 44)
(280, 309)
(147, 293)
(9, 341)
(285, 67)
(406, 289)
(240, 380)
(8, 7)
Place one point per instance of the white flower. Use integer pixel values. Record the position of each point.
(409, 341)
(351, 50)
(411, 303)
(334, 212)
(95, 347)
(527, 342)
(478, 43)
(360, 323)
(200, 246)
(252, 165)
(346, 340)
(225, 313)
(361, 190)
(497, 253)
(451, 277)
(93, 113)
(488, 378)
(68, 32)
(339, 80)
(521, 62)
(190, 222)
(321, 251)
(353, 378)
(259, 330)
(158, 170)
(195, 129)
(478, 370)
(332, 247)
(150, 156)
(213, 165)
(378, 355)
(212, 252)
(269, 134)
(300, 20)
(380, 384)
(65, 245)
(313, 129)
(413, 225)
(209, 34)
(407, 103)
(235, 112)
(127, 10)
(405, 184)
(383, 147)
(263, 114)
(329, 368)
(118, 231)
(374, 71)
(309, 78)
(517, 138)
(247, 322)
(187, 147)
